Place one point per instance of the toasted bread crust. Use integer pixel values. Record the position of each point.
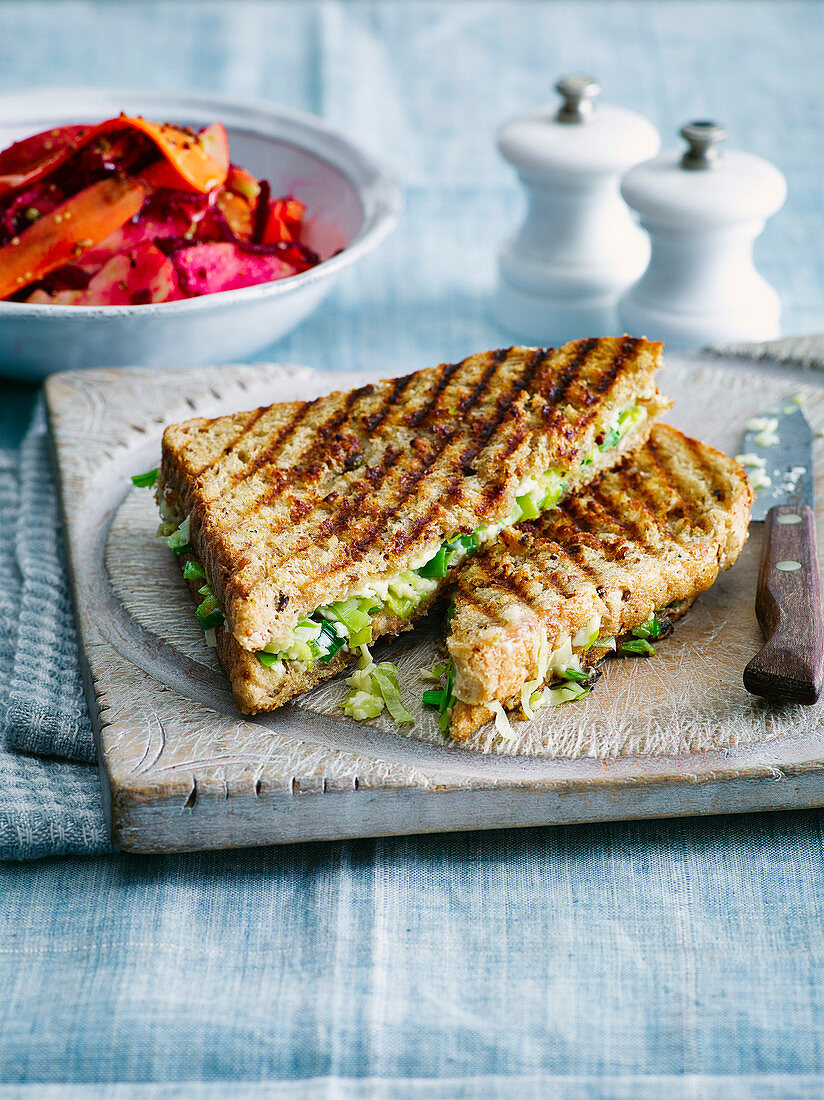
(657, 529)
(298, 504)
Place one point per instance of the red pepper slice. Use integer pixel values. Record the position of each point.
(197, 162)
(284, 220)
(62, 235)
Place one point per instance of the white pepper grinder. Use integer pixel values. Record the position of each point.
(561, 274)
(703, 209)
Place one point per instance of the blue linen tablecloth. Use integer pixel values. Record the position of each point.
(625, 960)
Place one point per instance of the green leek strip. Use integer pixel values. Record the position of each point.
(147, 480)
(356, 616)
(443, 698)
(437, 566)
(385, 678)
(637, 647)
(373, 688)
(361, 705)
(650, 629)
(209, 614)
(178, 541)
(529, 507)
(268, 659)
(193, 571)
(434, 673)
(434, 697)
(328, 642)
(579, 676)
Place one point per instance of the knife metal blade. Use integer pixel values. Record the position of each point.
(782, 441)
(778, 455)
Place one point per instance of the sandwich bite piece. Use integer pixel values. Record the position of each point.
(608, 569)
(321, 525)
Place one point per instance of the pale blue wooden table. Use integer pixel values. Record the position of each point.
(641, 960)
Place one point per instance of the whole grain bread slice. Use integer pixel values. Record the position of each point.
(648, 536)
(297, 504)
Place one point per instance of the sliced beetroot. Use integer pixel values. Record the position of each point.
(32, 158)
(141, 275)
(134, 277)
(261, 212)
(24, 208)
(209, 268)
(145, 227)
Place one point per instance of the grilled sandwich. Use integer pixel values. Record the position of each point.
(311, 528)
(609, 569)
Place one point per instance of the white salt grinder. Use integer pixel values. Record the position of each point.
(559, 277)
(703, 209)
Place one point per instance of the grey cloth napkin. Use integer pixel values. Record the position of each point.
(50, 806)
(47, 713)
(47, 807)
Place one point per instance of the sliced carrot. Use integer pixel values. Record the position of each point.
(200, 160)
(196, 162)
(64, 234)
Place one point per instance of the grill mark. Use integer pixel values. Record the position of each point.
(268, 452)
(628, 524)
(334, 524)
(493, 492)
(468, 596)
(504, 404)
(455, 485)
(376, 418)
(508, 583)
(568, 532)
(707, 471)
(413, 480)
(565, 380)
(604, 384)
(336, 422)
(333, 423)
(247, 427)
(685, 505)
(425, 411)
(585, 570)
(588, 524)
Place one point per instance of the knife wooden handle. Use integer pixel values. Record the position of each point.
(790, 667)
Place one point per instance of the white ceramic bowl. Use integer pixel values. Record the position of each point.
(351, 200)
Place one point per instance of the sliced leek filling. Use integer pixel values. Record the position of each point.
(569, 679)
(373, 689)
(319, 636)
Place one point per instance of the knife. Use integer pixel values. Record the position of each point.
(779, 456)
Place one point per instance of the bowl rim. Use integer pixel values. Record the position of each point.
(378, 188)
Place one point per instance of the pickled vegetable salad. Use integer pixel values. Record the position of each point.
(130, 212)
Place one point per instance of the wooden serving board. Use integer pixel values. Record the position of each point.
(183, 770)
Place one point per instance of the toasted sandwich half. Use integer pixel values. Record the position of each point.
(314, 527)
(610, 568)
